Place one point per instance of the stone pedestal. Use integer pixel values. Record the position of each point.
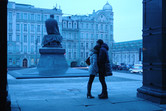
(52, 61)
(154, 51)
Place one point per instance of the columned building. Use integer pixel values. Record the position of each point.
(26, 28)
(81, 32)
(129, 52)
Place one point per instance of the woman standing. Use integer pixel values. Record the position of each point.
(93, 69)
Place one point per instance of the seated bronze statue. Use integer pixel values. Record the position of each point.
(53, 39)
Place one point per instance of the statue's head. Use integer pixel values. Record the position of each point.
(51, 16)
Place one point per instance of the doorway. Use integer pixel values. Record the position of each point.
(25, 63)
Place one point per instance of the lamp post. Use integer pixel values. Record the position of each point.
(36, 42)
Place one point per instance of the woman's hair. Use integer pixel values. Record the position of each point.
(97, 47)
(100, 41)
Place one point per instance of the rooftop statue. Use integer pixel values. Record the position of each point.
(53, 39)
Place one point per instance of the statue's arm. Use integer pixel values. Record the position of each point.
(46, 27)
(57, 27)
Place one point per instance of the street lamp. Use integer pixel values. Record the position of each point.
(36, 49)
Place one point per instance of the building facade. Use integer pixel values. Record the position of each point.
(26, 28)
(129, 52)
(80, 33)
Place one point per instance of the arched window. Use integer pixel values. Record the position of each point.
(25, 63)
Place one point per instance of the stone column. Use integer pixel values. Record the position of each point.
(4, 102)
(154, 51)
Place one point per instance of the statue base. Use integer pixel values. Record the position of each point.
(52, 61)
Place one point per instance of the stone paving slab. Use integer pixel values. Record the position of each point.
(69, 94)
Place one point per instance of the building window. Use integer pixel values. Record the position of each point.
(25, 49)
(82, 35)
(106, 27)
(44, 29)
(17, 61)
(75, 35)
(87, 45)
(10, 26)
(74, 46)
(25, 38)
(32, 38)
(97, 36)
(17, 27)
(32, 28)
(82, 45)
(38, 17)
(87, 54)
(75, 25)
(29, 16)
(101, 36)
(101, 26)
(18, 38)
(38, 28)
(18, 16)
(57, 18)
(87, 26)
(92, 26)
(32, 49)
(64, 35)
(38, 39)
(111, 28)
(45, 17)
(87, 35)
(96, 26)
(10, 37)
(82, 25)
(21, 16)
(106, 36)
(69, 55)
(17, 48)
(91, 45)
(10, 48)
(10, 15)
(32, 17)
(25, 27)
(69, 45)
(69, 25)
(75, 56)
(10, 61)
(25, 16)
(70, 36)
(64, 24)
(82, 55)
(91, 35)
(32, 61)
(64, 45)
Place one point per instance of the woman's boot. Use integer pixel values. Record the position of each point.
(89, 96)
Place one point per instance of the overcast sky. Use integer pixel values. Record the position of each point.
(127, 13)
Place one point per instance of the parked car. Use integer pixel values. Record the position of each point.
(128, 67)
(137, 68)
(114, 67)
(122, 66)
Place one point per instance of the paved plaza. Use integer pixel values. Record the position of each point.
(69, 94)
